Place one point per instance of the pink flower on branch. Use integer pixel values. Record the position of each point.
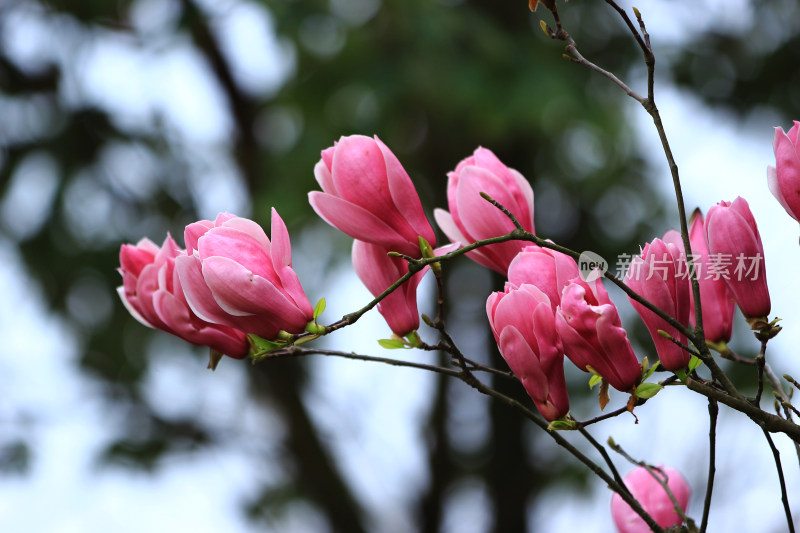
(784, 178)
(368, 195)
(733, 236)
(151, 291)
(592, 334)
(653, 499)
(472, 218)
(656, 276)
(523, 325)
(233, 275)
(717, 300)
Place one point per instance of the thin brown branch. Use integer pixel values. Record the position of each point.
(784, 496)
(299, 351)
(595, 420)
(767, 421)
(713, 411)
(760, 363)
(604, 453)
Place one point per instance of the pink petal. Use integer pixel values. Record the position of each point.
(524, 363)
(359, 173)
(327, 156)
(373, 267)
(197, 293)
(577, 348)
(448, 226)
(526, 204)
(491, 308)
(624, 367)
(194, 231)
(131, 309)
(190, 328)
(775, 188)
(547, 339)
(405, 196)
(146, 286)
(282, 262)
(741, 207)
(322, 173)
(133, 259)
(239, 246)
(250, 228)
(239, 292)
(359, 223)
(480, 218)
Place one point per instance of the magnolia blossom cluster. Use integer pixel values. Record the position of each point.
(549, 310)
(232, 281)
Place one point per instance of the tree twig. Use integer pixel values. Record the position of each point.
(603, 452)
(713, 411)
(299, 351)
(765, 420)
(784, 496)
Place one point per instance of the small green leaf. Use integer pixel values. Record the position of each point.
(391, 344)
(594, 380)
(261, 345)
(260, 348)
(561, 425)
(694, 362)
(681, 373)
(413, 340)
(319, 308)
(650, 371)
(647, 390)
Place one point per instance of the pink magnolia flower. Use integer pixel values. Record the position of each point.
(152, 293)
(472, 218)
(550, 271)
(592, 334)
(659, 276)
(653, 498)
(377, 272)
(368, 195)
(233, 275)
(523, 325)
(717, 300)
(735, 244)
(784, 178)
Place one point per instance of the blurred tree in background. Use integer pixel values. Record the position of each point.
(91, 156)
